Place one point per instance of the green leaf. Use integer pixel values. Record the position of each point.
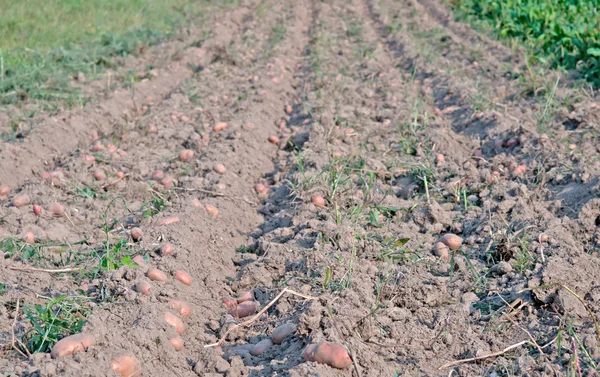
(594, 51)
(127, 262)
(401, 242)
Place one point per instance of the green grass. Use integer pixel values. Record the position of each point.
(45, 43)
(59, 317)
(562, 33)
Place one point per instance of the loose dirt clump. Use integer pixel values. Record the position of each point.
(340, 170)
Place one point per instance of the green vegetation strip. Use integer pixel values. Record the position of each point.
(44, 44)
(562, 33)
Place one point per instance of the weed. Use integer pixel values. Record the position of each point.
(2, 289)
(59, 317)
(153, 207)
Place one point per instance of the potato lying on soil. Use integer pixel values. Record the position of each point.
(57, 210)
(137, 234)
(261, 347)
(167, 249)
(186, 155)
(441, 250)
(29, 237)
(180, 307)
(243, 309)
(175, 321)
(37, 210)
(318, 201)
(282, 331)
(211, 210)
(220, 126)
(273, 139)
(139, 260)
(219, 169)
(451, 240)
(177, 343)
(157, 275)
(168, 220)
(244, 296)
(183, 277)
(71, 344)
(21, 201)
(143, 287)
(126, 366)
(332, 354)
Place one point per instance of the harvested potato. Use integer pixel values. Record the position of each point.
(451, 240)
(243, 309)
(126, 366)
(173, 320)
(137, 234)
(282, 331)
(332, 354)
(143, 287)
(71, 344)
(318, 201)
(21, 201)
(261, 347)
(219, 169)
(183, 277)
(180, 307)
(157, 275)
(168, 220)
(177, 343)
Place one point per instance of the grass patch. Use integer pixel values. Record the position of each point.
(562, 33)
(59, 317)
(45, 44)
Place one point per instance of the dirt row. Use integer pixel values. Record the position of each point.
(327, 146)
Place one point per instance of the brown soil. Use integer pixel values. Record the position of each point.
(377, 89)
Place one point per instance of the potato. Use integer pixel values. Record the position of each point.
(519, 170)
(441, 250)
(21, 201)
(143, 287)
(288, 109)
(439, 159)
(71, 344)
(318, 201)
(219, 126)
(211, 210)
(167, 249)
(221, 186)
(29, 237)
(126, 366)
(245, 296)
(230, 302)
(511, 142)
(175, 321)
(168, 220)
(259, 187)
(120, 174)
(282, 331)
(186, 155)
(99, 175)
(177, 343)
(89, 158)
(260, 347)
(139, 260)
(451, 240)
(57, 210)
(157, 275)
(158, 175)
(332, 354)
(4, 192)
(219, 169)
(243, 309)
(37, 210)
(543, 238)
(183, 277)
(180, 307)
(273, 139)
(168, 182)
(137, 234)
